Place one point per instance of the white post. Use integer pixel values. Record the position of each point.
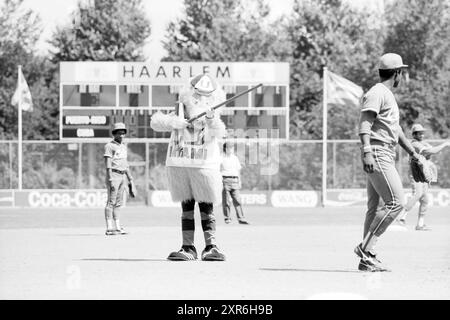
(324, 139)
(19, 149)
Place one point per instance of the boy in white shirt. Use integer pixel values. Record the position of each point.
(230, 169)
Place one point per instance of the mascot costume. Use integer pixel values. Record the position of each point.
(193, 162)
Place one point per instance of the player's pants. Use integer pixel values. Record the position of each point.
(115, 189)
(231, 186)
(419, 193)
(384, 182)
(188, 222)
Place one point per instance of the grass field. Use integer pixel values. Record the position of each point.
(283, 254)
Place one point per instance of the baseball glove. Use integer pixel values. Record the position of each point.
(132, 189)
(422, 170)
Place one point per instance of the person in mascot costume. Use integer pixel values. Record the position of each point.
(193, 162)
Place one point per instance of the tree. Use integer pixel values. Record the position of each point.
(222, 30)
(333, 34)
(103, 30)
(419, 32)
(19, 31)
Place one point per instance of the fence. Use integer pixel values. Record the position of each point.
(291, 165)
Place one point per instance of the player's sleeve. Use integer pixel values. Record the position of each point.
(419, 147)
(372, 101)
(108, 151)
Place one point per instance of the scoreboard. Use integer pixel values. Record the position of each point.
(95, 95)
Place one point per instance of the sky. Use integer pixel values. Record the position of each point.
(159, 12)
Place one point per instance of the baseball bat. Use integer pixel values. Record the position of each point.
(225, 102)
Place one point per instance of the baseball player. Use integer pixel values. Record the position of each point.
(230, 168)
(117, 172)
(379, 132)
(420, 189)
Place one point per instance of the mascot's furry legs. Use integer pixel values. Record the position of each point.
(188, 185)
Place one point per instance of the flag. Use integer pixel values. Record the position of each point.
(22, 95)
(341, 91)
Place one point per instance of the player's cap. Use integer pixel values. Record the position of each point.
(391, 61)
(417, 128)
(203, 84)
(119, 126)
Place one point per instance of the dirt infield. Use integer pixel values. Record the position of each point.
(283, 254)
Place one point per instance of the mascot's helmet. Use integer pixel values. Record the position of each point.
(203, 84)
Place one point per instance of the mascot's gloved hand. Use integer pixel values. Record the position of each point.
(178, 123)
(199, 124)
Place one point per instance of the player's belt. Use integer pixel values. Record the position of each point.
(382, 144)
(232, 177)
(118, 171)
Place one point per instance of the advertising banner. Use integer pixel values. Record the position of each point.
(279, 199)
(6, 198)
(296, 199)
(358, 197)
(60, 198)
(162, 199)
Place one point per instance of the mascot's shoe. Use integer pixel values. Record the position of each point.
(423, 228)
(212, 253)
(186, 253)
(112, 232)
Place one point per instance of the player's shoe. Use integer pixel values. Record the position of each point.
(112, 232)
(121, 231)
(242, 221)
(360, 252)
(374, 257)
(212, 253)
(186, 253)
(369, 261)
(367, 266)
(227, 220)
(423, 228)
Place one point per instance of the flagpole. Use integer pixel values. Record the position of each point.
(324, 138)
(19, 147)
